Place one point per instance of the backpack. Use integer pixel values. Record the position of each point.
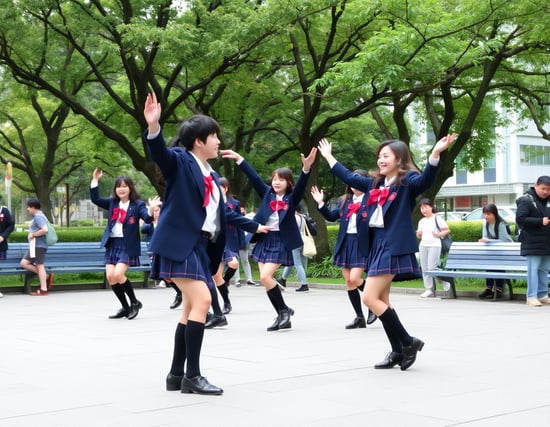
(51, 235)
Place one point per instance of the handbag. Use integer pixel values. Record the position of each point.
(446, 241)
(309, 250)
(51, 235)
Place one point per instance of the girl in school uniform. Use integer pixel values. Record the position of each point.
(350, 250)
(277, 209)
(121, 237)
(392, 191)
(190, 237)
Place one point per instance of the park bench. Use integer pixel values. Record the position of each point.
(475, 259)
(68, 257)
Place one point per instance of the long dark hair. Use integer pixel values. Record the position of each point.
(349, 194)
(404, 161)
(123, 179)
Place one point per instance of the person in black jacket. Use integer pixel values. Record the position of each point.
(533, 217)
(7, 225)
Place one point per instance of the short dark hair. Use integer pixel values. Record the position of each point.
(33, 202)
(543, 180)
(198, 126)
(428, 202)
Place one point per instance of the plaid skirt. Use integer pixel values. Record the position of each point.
(270, 249)
(380, 260)
(348, 255)
(196, 266)
(115, 253)
(228, 255)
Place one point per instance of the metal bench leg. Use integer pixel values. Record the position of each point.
(452, 290)
(509, 283)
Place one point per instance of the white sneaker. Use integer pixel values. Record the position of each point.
(427, 294)
(533, 302)
(161, 284)
(545, 300)
(446, 286)
(1, 295)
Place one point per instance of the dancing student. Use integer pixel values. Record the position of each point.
(244, 249)
(351, 248)
(190, 237)
(277, 208)
(121, 237)
(392, 243)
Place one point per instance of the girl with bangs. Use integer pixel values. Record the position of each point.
(279, 201)
(351, 248)
(121, 237)
(392, 191)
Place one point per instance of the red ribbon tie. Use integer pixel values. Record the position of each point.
(353, 208)
(278, 205)
(378, 195)
(208, 188)
(118, 214)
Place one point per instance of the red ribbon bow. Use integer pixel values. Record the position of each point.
(378, 195)
(118, 214)
(278, 205)
(353, 208)
(208, 188)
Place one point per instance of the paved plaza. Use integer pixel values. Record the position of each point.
(64, 363)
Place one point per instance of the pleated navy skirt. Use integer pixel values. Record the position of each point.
(380, 260)
(270, 249)
(348, 255)
(196, 266)
(115, 253)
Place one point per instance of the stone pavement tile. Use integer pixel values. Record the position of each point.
(65, 364)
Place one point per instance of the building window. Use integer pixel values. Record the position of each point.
(461, 176)
(534, 155)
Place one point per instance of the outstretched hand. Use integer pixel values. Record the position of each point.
(97, 174)
(443, 144)
(317, 194)
(154, 201)
(151, 112)
(230, 154)
(308, 161)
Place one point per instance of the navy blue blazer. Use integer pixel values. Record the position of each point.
(179, 227)
(232, 236)
(397, 211)
(362, 224)
(130, 226)
(7, 225)
(288, 227)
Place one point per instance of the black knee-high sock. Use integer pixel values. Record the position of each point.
(194, 332)
(276, 298)
(118, 289)
(224, 292)
(229, 273)
(215, 302)
(175, 287)
(361, 287)
(394, 340)
(355, 299)
(178, 358)
(395, 327)
(128, 288)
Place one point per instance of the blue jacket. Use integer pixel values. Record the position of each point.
(289, 231)
(362, 224)
(397, 211)
(130, 226)
(179, 227)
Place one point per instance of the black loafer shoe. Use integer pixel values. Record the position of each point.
(199, 385)
(227, 308)
(409, 353)
(134, 310)
(177, 302)
(371, 318)
(275, 325)
(284, 319)
(215, 321)
(119, 314)
(173, 382)
(358, 322)
(392, 359)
